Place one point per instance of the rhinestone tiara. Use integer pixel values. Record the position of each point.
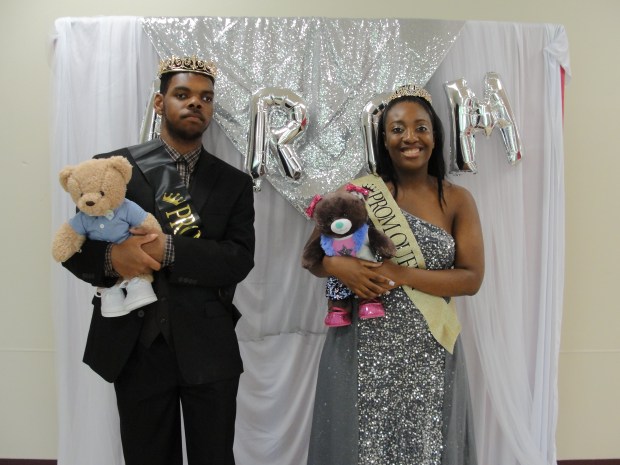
(411, 90)
(187, 64)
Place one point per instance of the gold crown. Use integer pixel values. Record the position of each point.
(187, 64)
(411, 90)
(173, 198)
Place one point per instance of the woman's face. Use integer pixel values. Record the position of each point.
(409, 136)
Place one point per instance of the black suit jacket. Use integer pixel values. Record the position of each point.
(201, 325)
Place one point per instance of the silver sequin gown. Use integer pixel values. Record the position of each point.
(387, 393)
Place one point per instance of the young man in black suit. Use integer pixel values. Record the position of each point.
(181, 349)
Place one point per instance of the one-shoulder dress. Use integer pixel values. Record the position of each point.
(387, 392)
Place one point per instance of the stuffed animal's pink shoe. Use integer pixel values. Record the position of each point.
(337, 316)
(371, 309)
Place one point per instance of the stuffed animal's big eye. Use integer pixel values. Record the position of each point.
(341, 226)
(81, 194)
(102, 194)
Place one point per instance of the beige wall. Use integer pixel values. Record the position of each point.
(590, 356)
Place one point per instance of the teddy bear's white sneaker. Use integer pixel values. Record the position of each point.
(139, 293)
(112, 301)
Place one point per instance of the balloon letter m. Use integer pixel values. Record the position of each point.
(470, 115)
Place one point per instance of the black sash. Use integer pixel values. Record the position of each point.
(171, 195)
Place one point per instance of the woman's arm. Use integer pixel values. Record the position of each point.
(466, 276)
(360, 276)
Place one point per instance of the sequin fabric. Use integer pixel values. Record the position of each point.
(401, 372)
(336, 290)
(335, 65)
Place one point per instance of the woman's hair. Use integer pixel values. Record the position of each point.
(436, 164)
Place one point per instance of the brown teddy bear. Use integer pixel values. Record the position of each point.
(98, 188)
(342, 220)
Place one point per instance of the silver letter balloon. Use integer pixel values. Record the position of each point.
(151, 123)
(277, 118)
(370, 118)
(470, 115)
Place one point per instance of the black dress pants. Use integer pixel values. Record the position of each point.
(150, 392)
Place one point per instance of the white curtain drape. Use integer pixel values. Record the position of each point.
(102, 72)
(511, 327)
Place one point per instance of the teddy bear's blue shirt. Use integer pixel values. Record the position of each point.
(115, 229)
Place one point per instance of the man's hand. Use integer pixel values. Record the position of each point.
(154, 248)
(130, 260)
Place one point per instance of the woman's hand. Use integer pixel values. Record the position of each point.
(362, 277)
(398, 274)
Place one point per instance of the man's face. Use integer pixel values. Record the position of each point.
(187, 106)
